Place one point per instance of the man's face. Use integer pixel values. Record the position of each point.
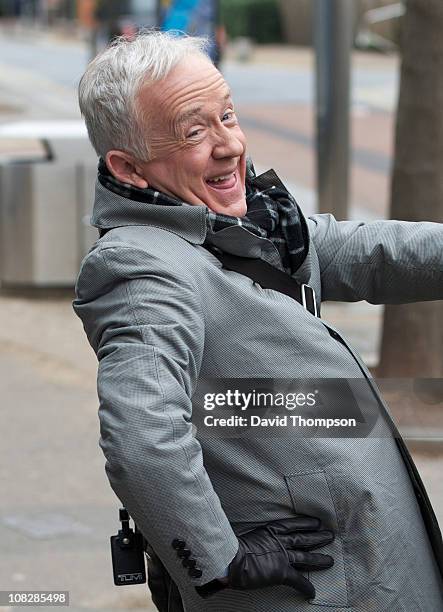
(198, 148)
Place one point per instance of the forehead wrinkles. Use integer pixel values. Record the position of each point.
(194, 94)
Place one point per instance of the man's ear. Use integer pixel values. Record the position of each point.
(125, 169)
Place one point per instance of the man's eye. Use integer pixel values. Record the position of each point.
(194, 133)
(228, 115)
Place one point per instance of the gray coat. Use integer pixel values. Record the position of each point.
(160, 312)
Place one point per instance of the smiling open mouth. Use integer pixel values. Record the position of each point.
(227, 181)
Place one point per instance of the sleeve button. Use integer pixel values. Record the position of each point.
(195, 572)
(189, 563)
(183, 553)
(178, 544)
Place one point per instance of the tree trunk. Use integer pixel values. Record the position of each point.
(412, 341)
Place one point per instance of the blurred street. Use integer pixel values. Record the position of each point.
(58, 511)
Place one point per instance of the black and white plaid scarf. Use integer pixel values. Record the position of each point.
(272, 212)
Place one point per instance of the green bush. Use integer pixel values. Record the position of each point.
(256, 19)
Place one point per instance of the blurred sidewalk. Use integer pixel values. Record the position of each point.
(57, 510)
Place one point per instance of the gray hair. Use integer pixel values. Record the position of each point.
(109, 88)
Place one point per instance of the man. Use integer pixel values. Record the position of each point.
(232, 522)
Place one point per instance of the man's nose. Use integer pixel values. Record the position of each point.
(227, 144)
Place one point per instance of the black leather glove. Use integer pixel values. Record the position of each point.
(275, 554)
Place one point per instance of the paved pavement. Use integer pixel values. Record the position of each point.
(59, 511)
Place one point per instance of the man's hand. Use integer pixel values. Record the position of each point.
(276, 553)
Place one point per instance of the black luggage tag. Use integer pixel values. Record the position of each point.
(128, 561)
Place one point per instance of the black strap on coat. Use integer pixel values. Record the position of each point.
(268, 277)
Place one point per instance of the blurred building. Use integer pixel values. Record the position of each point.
(297, 19)
(261, 21)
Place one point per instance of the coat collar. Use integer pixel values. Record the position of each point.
(119, 205)
(191, 223)
(112, 210)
